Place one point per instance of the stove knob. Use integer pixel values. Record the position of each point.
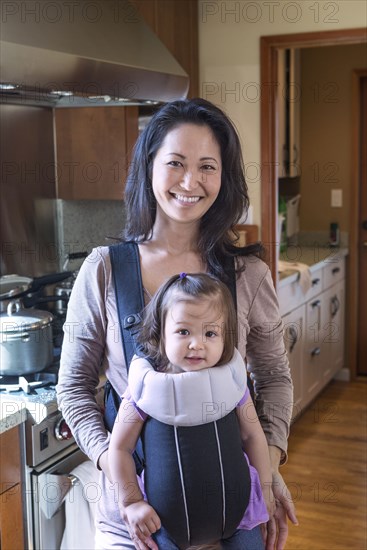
(62, 430)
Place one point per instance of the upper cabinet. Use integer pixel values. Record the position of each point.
(175, 22)
(93, 151)
(289, 101)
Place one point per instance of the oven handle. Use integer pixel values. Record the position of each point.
(58, 486)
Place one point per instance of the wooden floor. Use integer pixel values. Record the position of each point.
(326, 471)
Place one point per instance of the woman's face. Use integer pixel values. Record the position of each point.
(187, 173)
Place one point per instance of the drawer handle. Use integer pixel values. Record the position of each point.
(294, 337)
(335, 305)
(315, 351)
(316, 303)
(315, 282)
(335, 270)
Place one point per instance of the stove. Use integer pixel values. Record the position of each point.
(46, 433)
(50, 453)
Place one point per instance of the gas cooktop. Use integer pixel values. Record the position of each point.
(35, 392)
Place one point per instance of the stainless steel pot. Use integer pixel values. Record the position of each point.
(12, 286)
(26, 340)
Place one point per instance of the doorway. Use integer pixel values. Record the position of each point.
(269, 102)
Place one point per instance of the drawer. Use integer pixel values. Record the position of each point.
(291, 295)
(334, 271)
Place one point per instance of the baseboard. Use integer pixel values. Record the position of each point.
(343, 375)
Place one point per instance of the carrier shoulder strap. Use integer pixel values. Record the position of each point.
(129, 292)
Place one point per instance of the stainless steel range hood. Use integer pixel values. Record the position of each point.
(83, 53)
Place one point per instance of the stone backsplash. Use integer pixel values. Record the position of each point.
(82, 225)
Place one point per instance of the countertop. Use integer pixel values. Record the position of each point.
(314, 257)
(11, 414)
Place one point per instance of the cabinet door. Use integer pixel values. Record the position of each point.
(93, 148)
(11, 503)
(294, 329)
(333, 330)
(11, 519)
(314, 351)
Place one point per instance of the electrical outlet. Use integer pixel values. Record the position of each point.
(336, 198)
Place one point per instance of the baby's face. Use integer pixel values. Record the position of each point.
(194, 334)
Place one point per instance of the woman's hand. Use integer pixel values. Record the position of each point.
(141, 521)
(269, 499)
(276, 530)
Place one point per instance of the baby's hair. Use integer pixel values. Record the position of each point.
(195, 286)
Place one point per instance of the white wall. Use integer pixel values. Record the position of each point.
(229, 57)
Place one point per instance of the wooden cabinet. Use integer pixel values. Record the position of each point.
(314, 330)
(289, 101)
(11, 504)
(175, 22)
(93, 151)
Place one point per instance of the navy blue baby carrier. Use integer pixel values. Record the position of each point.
(193, 507)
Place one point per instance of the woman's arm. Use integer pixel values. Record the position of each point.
(82, 356)
(261, 341)
(141, 518)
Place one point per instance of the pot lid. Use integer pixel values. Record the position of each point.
(20, 320)
(13, 285)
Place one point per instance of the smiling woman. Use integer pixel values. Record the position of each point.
(185, 192)
(186, 174)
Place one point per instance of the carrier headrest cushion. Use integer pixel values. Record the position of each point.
(188, 398)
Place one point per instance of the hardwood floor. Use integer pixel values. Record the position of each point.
(326, 471)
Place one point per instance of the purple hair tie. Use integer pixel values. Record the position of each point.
(182, 275)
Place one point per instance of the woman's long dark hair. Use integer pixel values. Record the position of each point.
(216, 239)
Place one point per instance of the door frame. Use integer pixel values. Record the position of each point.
(354, 248)
(269, 46)
(268, 105)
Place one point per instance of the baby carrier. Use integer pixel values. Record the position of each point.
(193, 508)
(128, 285)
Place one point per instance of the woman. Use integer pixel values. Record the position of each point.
(185, 191)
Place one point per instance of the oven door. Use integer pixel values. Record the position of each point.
(50, 484)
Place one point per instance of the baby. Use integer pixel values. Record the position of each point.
(207, 476)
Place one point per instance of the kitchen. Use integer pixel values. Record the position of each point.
(80, 230)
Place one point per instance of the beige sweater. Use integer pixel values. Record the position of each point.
(92, 344)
